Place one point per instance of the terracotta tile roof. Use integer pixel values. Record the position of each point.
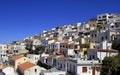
(66, 42)
(63, 58)
(52, 56)
(58, 52)
(53, 43)
(107, 50)
(16, 57)
(72, 32)
(26, 65)
(53, 38)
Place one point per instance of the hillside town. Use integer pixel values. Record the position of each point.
(70, 49)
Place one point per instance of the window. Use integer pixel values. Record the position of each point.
(69, 46)
(102, 38)
(16, 51)
(76, 46)
(60, 65)
(95, 35)
(84, 69)
(90, 57)
(60, 45)
(93, 57)
(92, 35)
(104, 16)
(35, 70)
(24, 59)
(66, 46)
(106, 37)
(94, 46)
(64, 65)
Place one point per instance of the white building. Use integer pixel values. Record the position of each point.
(33, 57)
(105, 19)
(28, 68)
(9, 71)
(3, 53)
(15, 48)
(33, 43)
(61, 63)
(107, 35)
(100, 54)
(53, 71)
(43, 57)
(83, 67)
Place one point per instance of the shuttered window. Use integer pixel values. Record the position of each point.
(84, 69)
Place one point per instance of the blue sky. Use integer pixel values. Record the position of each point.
(22, 18)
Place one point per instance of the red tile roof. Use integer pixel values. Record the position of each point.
(16, 57)
(26, 65)
(107, 50)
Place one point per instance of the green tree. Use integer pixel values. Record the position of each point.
(43, 65)
(99, 27)
(110, 65)
(116, 44)
(38, 50)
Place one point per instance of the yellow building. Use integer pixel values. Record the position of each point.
(84, 45)
(92, 45)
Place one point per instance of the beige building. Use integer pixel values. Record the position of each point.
(28, 68)
(17, 60)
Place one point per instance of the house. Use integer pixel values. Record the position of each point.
(15, 48)
(106, 18)
(33, 43)
(92, 23)
(50, 60)
(33, 57)
(84, 44)
(9, 70)
(3, 53)
(61, 63)
(68, 48)
(97, 37)
(100, 54)
(43, 57)
(83, 67)
(17, 60)
(53, 71)
(28, 68)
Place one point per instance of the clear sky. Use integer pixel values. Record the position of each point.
(22, 18)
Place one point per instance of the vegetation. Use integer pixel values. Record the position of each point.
(116, 44)
(38, 50)
(111, 65)
(99, 27)
(43, 65)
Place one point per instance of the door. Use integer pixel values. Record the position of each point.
(93, 70)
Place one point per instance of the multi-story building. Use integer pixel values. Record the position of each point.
(104, 19)
(3, 52)
(83, 67)
(100, 54)
(33, 57)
